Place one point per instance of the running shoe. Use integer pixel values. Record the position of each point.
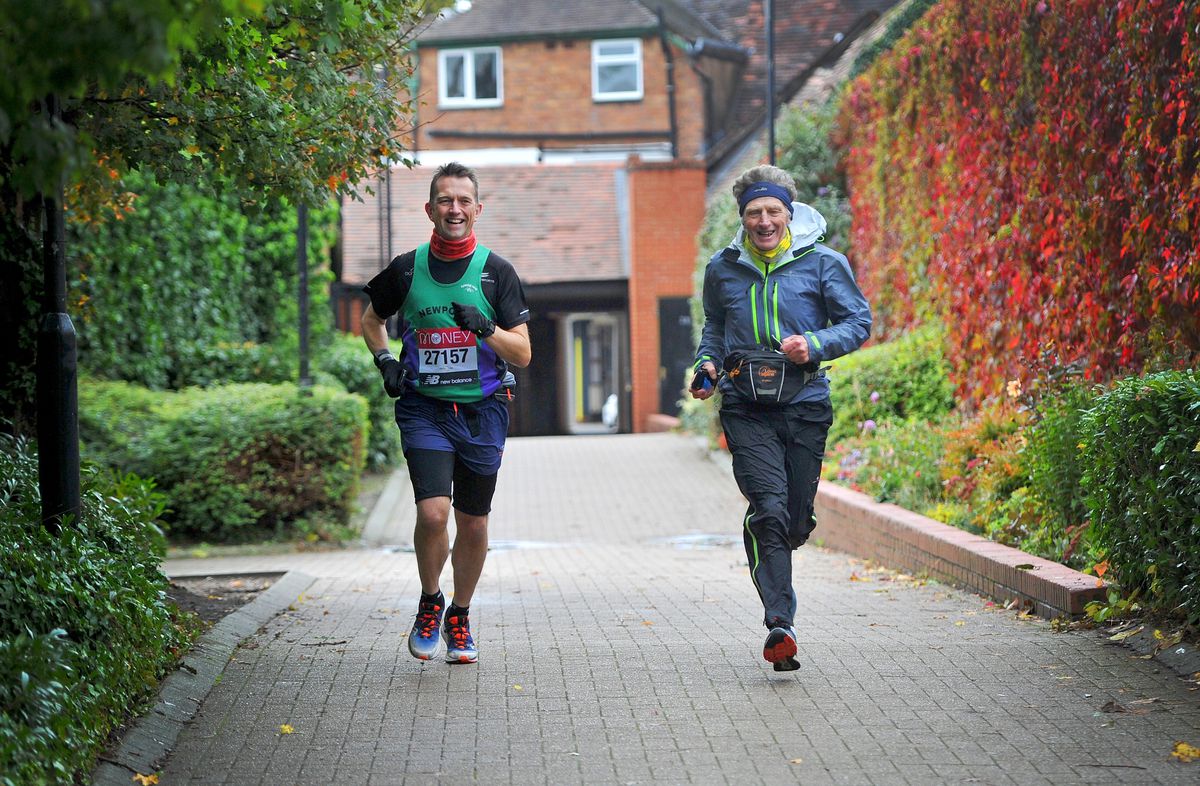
(780, 648)
(460, 647)
(423, 642)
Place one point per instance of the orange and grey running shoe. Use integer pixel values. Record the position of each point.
(780, 648)
(460, 647)
(423, 641)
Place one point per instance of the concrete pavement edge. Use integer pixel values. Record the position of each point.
(145, 747)
(384, 524)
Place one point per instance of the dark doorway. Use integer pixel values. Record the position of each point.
(676, 350)
(535, 411)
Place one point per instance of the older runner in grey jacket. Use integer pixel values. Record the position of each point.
(775, 287)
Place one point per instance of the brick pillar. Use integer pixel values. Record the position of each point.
(666, 210)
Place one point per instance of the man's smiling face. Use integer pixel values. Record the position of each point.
(765, 220)
(454, 208)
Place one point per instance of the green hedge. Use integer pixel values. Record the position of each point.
(189, 269)
(236, 462)
(342, 362)
(1055, 466)
(901, 380)
(85, 627)
(1142, 484)
(223, 363)
(347, 361)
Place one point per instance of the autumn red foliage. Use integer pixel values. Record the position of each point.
(1027, 172)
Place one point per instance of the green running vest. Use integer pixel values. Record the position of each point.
(451, 364)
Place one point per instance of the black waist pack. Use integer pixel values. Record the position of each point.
(765, 376)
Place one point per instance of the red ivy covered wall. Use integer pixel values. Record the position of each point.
(1026, 172)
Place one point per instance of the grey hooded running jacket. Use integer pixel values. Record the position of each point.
(811, 292)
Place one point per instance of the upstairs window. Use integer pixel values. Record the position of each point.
(617, 70)
(470, 77)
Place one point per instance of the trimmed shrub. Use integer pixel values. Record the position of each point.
(85, 627)
(347, 363)
(236, 462)
(1054, 458)
(343, 362)
(1142, 484)
(905, 379)
(223, 363)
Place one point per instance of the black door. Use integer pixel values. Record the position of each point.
(676, 351)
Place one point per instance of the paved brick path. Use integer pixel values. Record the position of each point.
(617, 646)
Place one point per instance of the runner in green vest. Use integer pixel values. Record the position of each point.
(461, 317)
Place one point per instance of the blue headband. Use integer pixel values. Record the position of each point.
(762, 188)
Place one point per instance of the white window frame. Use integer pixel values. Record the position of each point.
(634, 59)
(468, 56)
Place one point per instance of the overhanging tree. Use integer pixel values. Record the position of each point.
(295, 99)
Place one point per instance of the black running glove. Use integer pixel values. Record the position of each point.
(472, 319)
(393, 373)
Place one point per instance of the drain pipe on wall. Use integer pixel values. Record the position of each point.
(670, 58)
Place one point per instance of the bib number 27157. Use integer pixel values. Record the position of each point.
(446, 356)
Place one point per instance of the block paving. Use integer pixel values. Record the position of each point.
(620, 643)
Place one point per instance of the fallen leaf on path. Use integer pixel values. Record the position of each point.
(145, 780)
(1126, 633)
(1186, 753)
(856, 577)
(286, 728)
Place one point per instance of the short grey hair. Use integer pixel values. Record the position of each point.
(765, 174)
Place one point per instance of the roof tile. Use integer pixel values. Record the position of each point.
(553, 222)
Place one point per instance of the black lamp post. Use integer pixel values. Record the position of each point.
(302, 269)
(57, 383)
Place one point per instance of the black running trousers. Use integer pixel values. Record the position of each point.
(777, 454)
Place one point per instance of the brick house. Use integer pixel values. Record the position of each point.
(596, 129)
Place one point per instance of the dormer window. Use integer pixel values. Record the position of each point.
(617, 70)
(470, 77)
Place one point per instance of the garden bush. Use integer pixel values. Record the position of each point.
(347, 362)
(189, 269)
(905, 379)
(1004, 472)
(896, 462)
(342, 361)
(1142, 485)
(85, 628)
(236, 462)
(223, 363)
(1055, 466)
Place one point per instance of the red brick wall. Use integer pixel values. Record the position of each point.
(666, 208)
(548, 89)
